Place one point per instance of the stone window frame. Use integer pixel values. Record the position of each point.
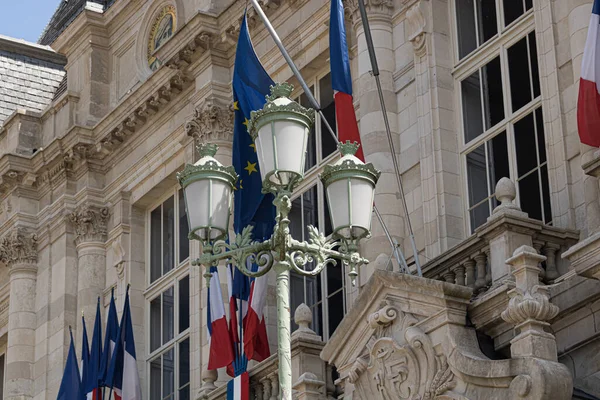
(171, 279)
(496, 47)
(311, 180)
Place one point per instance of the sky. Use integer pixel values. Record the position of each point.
(26, 19)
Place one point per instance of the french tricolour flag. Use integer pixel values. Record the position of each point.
(256, 342)
(239, 387)
(221, 348)
(123, 376)
(341, 79)
(588, 107)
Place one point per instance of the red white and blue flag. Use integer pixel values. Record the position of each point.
(123, 376)
(85, 353)
(256, 342)
(110, 339)
(588, 107)
(91, 382)
(221, 348)
(239, 387)
(341, 80)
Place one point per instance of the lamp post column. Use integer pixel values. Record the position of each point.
(284, 338)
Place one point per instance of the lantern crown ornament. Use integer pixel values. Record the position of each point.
(280, 131)
(350, 187)
(210, 185)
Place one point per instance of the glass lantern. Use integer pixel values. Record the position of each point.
(280, 132)
(350, 188)
(207, 188)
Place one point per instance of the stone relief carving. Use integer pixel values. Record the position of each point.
(533, 304)
(399, 361)
(211, 122)
(119, 258)
(18, 247)
(416, 27)
(90, 223)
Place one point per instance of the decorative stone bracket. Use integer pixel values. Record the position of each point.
(405, 338)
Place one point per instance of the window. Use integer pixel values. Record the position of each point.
(324, 293)
(168, 299)
(2, 376)
(502, 122)
(478, 21)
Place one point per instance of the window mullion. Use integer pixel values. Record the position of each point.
(477, 38)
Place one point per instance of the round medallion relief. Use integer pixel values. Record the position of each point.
(163, 27)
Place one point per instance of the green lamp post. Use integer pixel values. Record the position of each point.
(280, 131)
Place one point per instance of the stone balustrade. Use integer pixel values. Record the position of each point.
(479, 261)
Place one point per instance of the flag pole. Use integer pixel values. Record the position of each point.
(375, 72)
(315, 104)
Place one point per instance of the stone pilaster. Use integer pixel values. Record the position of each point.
(90, 237)
(18, 251)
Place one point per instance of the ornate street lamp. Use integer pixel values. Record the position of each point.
(280, 131)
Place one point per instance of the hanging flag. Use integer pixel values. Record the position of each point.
(256, 342)
(236, 288)
(238, 388)
(123, 376)
(91, 384)
(70, 386)
(588, 105)
(221, 348)
(85, 352)
(341, 80)
(110, 338)
(251, 85)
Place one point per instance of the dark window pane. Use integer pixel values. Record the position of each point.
(479, 215)
(528, 4)
(295, 217)
(311, 149)
(492, 93)
(296, 295)
(168, 234)
(184, 394)
(328, 229)
(465, 17)
(155, 244)
(169, 373)
(539, 121)
(155, 373)
(529, 194)
(525, 145)
(317, 326)
(513, 9)
(313, 290)
(546, 195)
(535, 73)
(184, 362)
(310, 209)
(498, 166)
(168, 314)
(155, 324)
(476, 176)
(336, 311)
(184, 243)
(486, 14)
(518, 65)
(184, 304)
(335, 279)
(327, 104)
(471, 103)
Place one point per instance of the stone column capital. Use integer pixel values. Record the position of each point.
(376, 9)
(90, 223)
(211, 122)
(18, 246)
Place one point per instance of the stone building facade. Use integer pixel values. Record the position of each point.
(98, 118)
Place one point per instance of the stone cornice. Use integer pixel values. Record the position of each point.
(18, 246)
(90, 223)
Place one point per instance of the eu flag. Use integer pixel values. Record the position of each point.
(251, 84)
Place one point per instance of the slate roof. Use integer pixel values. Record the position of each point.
(65, 13)
(29, 76)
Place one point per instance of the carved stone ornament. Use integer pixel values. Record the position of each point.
(416, 27)
(119, 258)
(90, 223)
(382, 7)
(399, 369)
(18, 247)
(211, 123)
(530, 305)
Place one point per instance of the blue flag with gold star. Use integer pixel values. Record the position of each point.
(251, 84)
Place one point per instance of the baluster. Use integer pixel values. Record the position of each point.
(488, 268)
(266, 383)
(449, 276)
(258, 391)
(274, 387)
(208, 378)
(470, 273)
(480, 261)
(537, 245)
(550, 250)
(459, 270)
